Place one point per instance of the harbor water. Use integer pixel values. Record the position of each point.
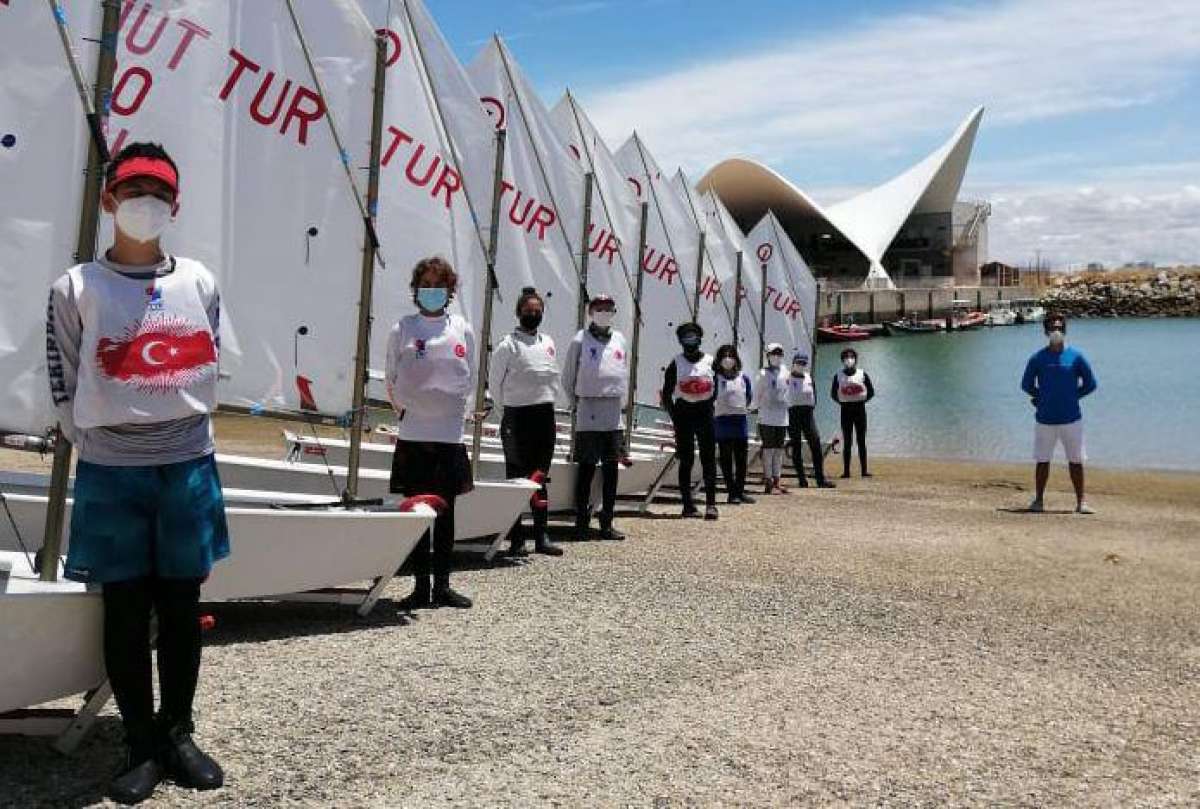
(958, 395)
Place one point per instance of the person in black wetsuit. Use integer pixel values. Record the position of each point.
(802, 422)
(852, 389)
(689, 388)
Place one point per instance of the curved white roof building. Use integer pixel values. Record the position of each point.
(903, 229)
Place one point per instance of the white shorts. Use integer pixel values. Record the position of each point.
(1047, 436)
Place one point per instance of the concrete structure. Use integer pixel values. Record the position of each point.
(911, 230)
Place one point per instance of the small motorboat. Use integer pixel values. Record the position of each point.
(964, 318)
(1028, 310)
(913, 325)
(841, 334)
(1001, 313)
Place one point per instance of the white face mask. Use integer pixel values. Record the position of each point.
(143, 219)
(849, 362)
(728, 363)
(775, 361)
(1057, 338)
(799, 369)
(603, 319)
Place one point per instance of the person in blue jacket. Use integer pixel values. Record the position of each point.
(1056, 378)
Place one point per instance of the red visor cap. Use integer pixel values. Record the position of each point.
(154, 167)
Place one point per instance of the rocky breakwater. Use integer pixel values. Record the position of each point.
(1166, 293)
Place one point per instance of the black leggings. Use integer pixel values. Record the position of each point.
(732, 453)
(802, 425)
(854, 421)
(693, 423)
(127, 607)
(529, 434)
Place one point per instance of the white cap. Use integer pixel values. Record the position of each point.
(774, 348)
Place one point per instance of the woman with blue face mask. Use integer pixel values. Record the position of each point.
(430, 378)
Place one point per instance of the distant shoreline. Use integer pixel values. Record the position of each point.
(1126, 293)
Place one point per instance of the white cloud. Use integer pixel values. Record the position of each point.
(909, 74)
(1133, 213)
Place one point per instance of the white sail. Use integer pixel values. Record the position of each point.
(666, 291)
(790, 292)
(264, 199)
(621, 223)
(734, 241)
(544, 196)
(878, 278)
(42, 153)
(717, 279)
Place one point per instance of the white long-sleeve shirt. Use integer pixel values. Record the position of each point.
(771, 397)
(524, 370)
(430, 376)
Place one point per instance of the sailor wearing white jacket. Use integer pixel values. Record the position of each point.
(595, 376)
(771, 401)
(430, 376)
(525, 378)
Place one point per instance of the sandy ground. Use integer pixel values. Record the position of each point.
(906, 640)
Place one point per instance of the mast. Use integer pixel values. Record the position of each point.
(662, 220)
(581, 309)
(737, 298)
(366, 287)
(85, 243)
(699, 277)
(762, 320)
(637, 326)
(491, 284)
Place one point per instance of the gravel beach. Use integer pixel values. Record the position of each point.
(906, 640)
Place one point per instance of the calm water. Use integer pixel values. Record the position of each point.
(958, 395)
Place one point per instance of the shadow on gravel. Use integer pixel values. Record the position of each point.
(34, 774)
(1024, 510)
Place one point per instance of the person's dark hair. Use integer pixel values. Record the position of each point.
(727, 350)
(528, 294)
(441, 269)
(849, 352)
(684, 328)
(1054, 317)
(139, 149)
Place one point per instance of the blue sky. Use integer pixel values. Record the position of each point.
(1089, 149)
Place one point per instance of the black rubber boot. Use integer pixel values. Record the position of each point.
(607, 531)
(187, 764)
(516, 538)
(582, 518)
(419, 598)
(541, 540)
(446, 596)
(142, 771)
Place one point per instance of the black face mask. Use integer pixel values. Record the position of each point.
(530, 320)
(690, 344)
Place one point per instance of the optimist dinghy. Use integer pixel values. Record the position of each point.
(634, 479)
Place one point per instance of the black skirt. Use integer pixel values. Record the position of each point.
(430, 467)
(772, 437)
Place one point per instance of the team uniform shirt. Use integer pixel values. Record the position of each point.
(1058, 380)
(853, 388)
(596, 373)
(732, 407)
(525, 370)
(771, 397)
(430, 376)
(800, 391)
(132, 357)
(694, 381)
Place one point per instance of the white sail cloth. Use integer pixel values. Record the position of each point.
(669, 263)
(789, 290)
(43, 151)
(265, 203)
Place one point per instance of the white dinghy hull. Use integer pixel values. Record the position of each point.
(489, 510)
(274, 552)
(378, 456)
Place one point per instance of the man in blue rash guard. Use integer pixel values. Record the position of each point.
(1056, 378)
